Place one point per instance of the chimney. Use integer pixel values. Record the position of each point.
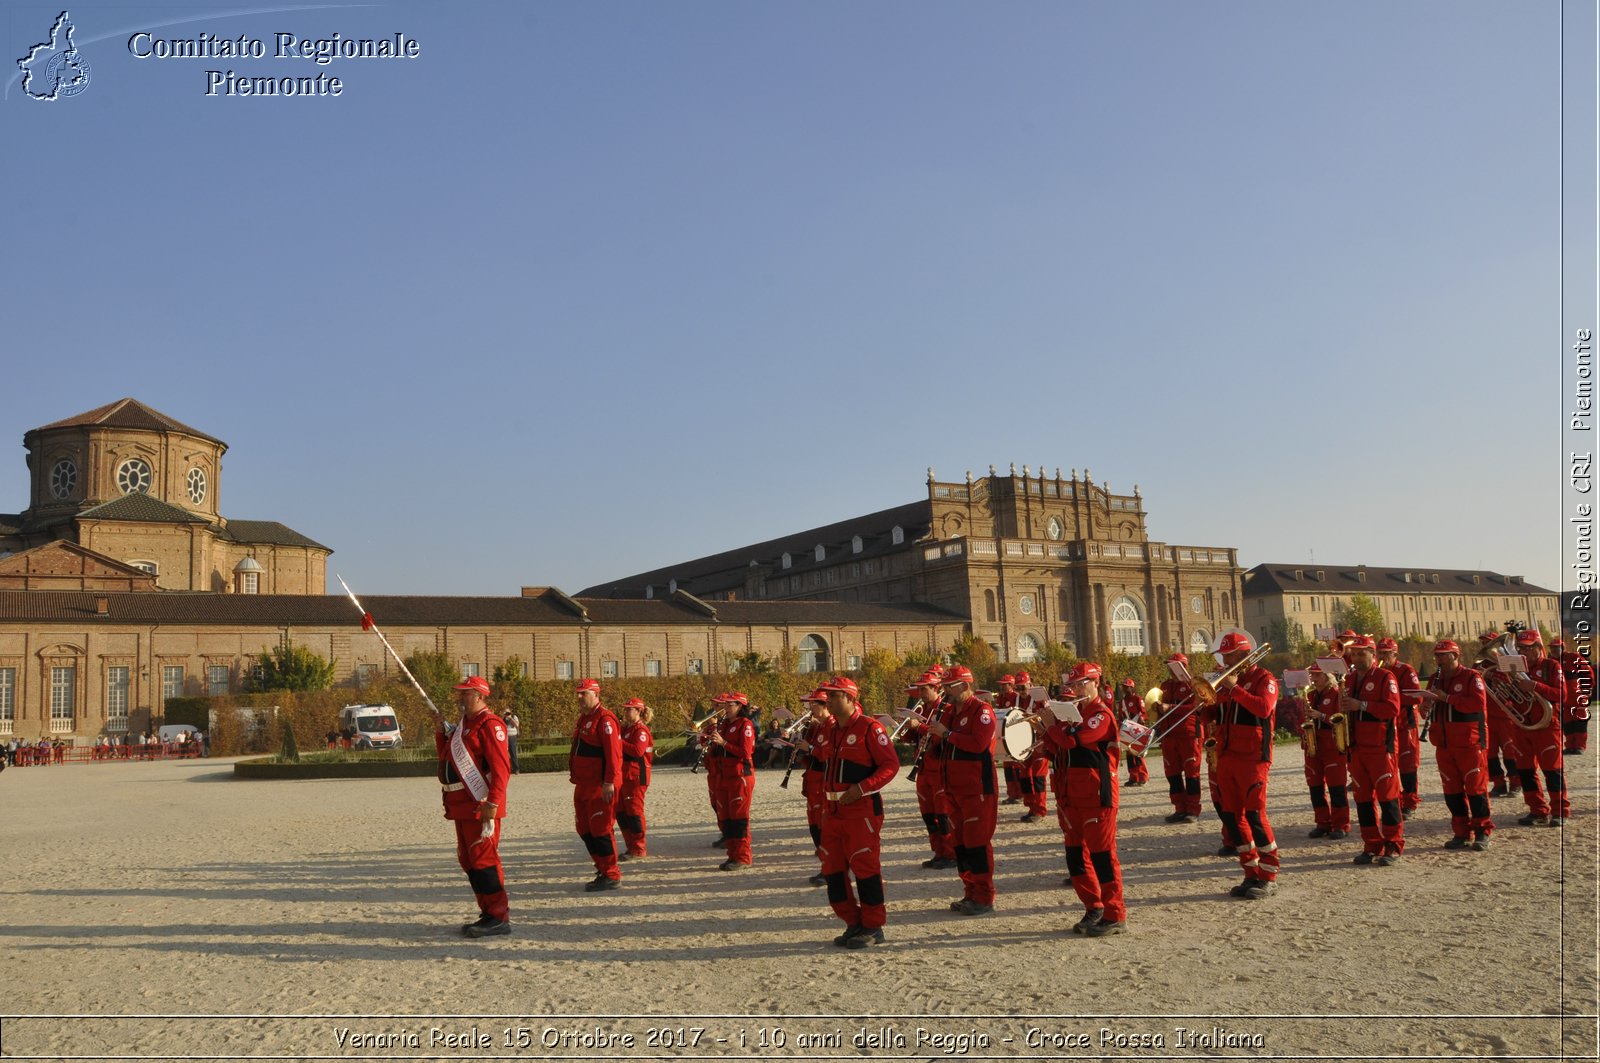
(102, 607)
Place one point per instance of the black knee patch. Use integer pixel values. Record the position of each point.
(1075, 866)
(735, 828)
(931, 821)
(961, 858)
(945, 826)
(1191, 786)
(600, 844)
(1258, 828)
(1338, 797)
(485, 880)
(1319, 797)
(1175, 784)
(816, 836)
(977, 861)
(1456, 803)
(1555, 782)
(1391, 813)
(838, 890)
(1230, 829)
(870, 890)
(631, 824)
(1479, 804)
(1102, 867)
(1366, 815)
(1530, 779)
(1408, 782)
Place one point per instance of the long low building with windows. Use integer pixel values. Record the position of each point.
(1429, 603)
(77, 664)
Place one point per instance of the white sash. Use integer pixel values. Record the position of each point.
(476, 785)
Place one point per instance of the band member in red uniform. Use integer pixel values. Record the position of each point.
(860, 762)
(1458, 730)
(1246, 707)
(811, 746)
(733, 747)
(1130, 706)
(1004, 702)
(1540, 751)
(967, 745)
(1179, 727)
(1578, 675)
(1408, 744)
(1371, 702)
(1328, 769)
(1084, 757)
(1502, 742)
(638, 757)
(1033, 772)
(473, 768)
(929, 766)
(594, 768)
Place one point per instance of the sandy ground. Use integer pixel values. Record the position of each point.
(306, 919)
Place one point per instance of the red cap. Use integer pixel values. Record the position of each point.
(958, 674)
(1085, 670)
(1488, 636)
(633, 703)
(1178, 658)
(1447, 646)
(1362, 642)
(1006, 679)
(1530, 637)
(1386, 644)
(1023, 679)
(927, 679)
(740, 698)
(1128, 683)
(589, 684)
(1234, 641)
(1315, 669)
(844, 684)
(474, 682)
(1348, 634)
(818, 695)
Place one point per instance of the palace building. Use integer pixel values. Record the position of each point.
(1025, 558)
(122, 585)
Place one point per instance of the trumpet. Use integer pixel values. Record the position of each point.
(912, 718)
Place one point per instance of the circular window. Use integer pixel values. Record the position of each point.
(1025, 603)
(197, 486)
(1195, 603)
(133, 476)
(63, 478)
(1053, 529)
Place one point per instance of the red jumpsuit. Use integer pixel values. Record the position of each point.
(1373, 761)
(1180, 747)
(734, 784)
(931, 799)
(1008, 767)
(1459, 735)
(969, 784)
(816, 735)
(1408, 744)
(1328, 771)
(1540, 751)
(1502, 746)
(1245, 713)
(594, 763)
(638, 756)
(1084, 758)
(485, 739)
(1131, 707)
(859, 754)
(1578, 675)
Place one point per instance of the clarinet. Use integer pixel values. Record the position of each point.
(922, 744)
(794, 755)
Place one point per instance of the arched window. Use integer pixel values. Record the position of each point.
(1027, 649)
(1199, 641)
(988, 606)
(813, 654)
(1127, 626)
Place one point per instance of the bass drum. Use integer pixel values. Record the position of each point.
(1017, 735)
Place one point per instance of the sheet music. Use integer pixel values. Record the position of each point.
(1178, 671)
(1065, 711)
(1296, 678)
(1333, 665)
(1038, 694)
(1514, 663)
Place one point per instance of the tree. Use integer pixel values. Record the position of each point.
(1362, 616)
(751, 663)
(290, 752)
(512, 690)
(291, 667)
(438, 675)
(975, 653)
(1286, 636)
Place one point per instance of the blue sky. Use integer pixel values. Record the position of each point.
(588, 288)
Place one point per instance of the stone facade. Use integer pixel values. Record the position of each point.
(1029, 559)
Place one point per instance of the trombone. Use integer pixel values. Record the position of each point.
(912, 718)
(1204, 691)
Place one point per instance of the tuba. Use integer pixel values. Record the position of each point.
(1528, 709)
